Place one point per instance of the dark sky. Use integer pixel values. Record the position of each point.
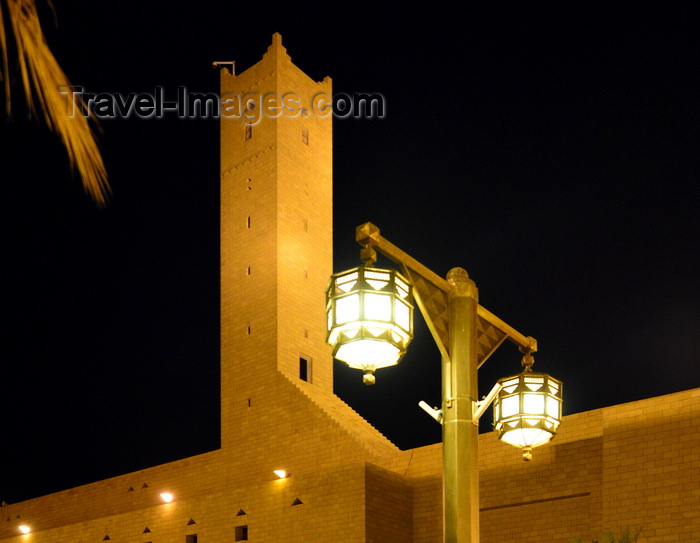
(551, 151)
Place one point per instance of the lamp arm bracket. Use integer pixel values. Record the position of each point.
(368, 235)
(432, 411)
(480, 407)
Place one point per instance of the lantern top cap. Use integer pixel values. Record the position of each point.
(527, 362)
(526, 373)
(364, 268)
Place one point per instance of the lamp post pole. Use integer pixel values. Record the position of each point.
(459, 433)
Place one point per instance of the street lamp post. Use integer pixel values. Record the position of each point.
(369, 326)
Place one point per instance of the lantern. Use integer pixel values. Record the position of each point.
(370, 318)
(527, 410)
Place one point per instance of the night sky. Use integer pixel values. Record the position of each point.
(552, 151)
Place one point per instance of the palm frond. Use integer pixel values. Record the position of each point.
(41, 78)
(5, 73)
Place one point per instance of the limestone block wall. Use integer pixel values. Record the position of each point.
(321, 506)
(388, 507)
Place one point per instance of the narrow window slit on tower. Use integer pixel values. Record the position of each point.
(248, 132)
(248, 270)
(305, 135)
(248, 222)
(306, 225)
(305, 368)
(306, 274)
(306, 333)
(241, 533)
(248, 406)
(248, 329)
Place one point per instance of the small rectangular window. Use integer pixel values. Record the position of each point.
(248, 131)
(241, 533)
(305, 369)
(305, 135)
(192, 538)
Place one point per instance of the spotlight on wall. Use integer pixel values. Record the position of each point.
(282, 474)
(167, 497)
(25, 529)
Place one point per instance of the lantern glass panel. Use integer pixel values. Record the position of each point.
(377, 280)
(379, 275)
(377, 307)
(533, 404)
(402, 315)
(401, 287)
(347, 309)
(347, 282)
(553, 407)
(526, 437)
(368, 353)
(510, 406)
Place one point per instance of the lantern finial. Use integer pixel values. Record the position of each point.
(527, 362)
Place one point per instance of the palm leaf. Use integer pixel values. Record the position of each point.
(41, 78)
(5, 74)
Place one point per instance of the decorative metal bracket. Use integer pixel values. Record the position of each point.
(480, 407)
(432, 411)
(431, 292)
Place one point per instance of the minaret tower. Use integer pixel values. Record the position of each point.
(276, 233)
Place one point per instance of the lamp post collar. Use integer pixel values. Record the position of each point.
(461, 284)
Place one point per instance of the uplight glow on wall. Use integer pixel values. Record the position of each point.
(167, 497)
